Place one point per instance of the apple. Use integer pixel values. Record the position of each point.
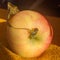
(29, 33)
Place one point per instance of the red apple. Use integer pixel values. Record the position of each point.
(29, 33)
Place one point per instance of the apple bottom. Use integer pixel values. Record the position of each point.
(26, 47)
(33, 53)
(30, 50)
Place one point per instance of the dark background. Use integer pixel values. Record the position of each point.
(47, 7)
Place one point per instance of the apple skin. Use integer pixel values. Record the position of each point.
(18, 34)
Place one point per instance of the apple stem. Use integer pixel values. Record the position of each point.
(33, 33)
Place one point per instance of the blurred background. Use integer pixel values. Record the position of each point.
(49, 8)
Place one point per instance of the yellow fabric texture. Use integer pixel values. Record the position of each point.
(52, 53)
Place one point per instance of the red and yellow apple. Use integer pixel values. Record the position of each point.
(29, 33)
